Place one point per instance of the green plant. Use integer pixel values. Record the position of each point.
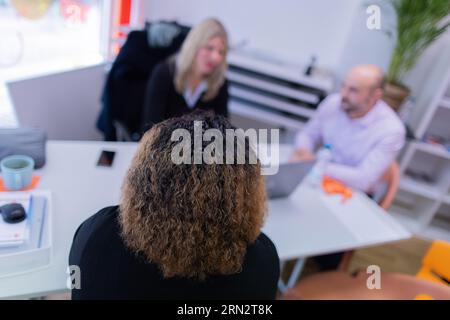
(419, 23)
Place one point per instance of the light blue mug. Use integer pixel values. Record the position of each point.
(17, 171)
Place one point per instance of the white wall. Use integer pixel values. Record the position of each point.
(334, 30)
(376, 46)
(416, 79)
(363, 45)
(289, 29)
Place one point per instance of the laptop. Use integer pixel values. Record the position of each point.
(288, 177)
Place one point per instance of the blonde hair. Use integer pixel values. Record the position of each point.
(197, 38)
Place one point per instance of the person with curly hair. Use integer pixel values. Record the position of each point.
(181, 231)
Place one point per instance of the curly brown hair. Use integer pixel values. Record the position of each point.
(192, 220)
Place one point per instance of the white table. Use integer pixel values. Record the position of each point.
(307, 223)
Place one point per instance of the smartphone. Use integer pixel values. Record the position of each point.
(106, 158)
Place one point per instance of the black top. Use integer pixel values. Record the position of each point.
(109, 270)
(162, 101)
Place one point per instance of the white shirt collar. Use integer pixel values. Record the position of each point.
(190, 97)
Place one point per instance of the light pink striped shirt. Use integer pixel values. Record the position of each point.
(362, 149)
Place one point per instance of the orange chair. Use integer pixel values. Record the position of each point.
(436, 263)
(392, 179)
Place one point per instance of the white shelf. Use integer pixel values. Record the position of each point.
(434, 149)
(446, 199)
(437, 230)
(445, 103)
(433, 233)
(430, 116)
(420, 188)
(273, 91)
(248, 111)
(270, 102)
(402, 216)
(276, 88)
(260, 62)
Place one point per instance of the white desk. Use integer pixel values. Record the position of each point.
(306, 224)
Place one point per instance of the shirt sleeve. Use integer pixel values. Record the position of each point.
(364, 176)
(311, 135)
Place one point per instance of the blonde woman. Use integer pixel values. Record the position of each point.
(182, 231)
(192, 79)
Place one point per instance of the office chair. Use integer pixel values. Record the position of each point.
(436, 263)
(124, 92)
(122, 133)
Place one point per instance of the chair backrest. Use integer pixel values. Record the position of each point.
(122, 133)
(436, 263)
(392, 179)
(63, 104)
(124, 92)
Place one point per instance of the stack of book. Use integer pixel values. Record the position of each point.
(27, 245)
(26, 233)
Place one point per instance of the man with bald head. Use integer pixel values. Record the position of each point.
(365, 134)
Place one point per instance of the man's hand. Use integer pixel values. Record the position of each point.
(301, 155)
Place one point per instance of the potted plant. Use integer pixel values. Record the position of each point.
(419, 23)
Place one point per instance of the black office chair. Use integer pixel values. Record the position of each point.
(124, 91)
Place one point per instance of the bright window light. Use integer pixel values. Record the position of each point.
(45, 36)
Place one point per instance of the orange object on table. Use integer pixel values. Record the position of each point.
(423, 297)
(332, 186)
(34, 183)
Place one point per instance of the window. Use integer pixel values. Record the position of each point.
(45, 36)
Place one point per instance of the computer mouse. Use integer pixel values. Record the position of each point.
(13, 212)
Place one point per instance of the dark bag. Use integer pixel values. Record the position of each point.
(24, 141)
